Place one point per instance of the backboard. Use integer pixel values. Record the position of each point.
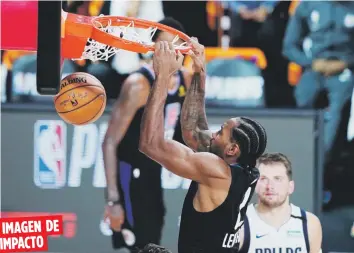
(35, 26)
(49, 47)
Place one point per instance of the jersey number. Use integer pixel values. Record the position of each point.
(242, 209)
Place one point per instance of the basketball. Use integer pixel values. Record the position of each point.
(81, 99)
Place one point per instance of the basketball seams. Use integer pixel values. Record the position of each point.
(99, 111)
(85, 85)
(86, 75)
(89, 106)
(81, 105)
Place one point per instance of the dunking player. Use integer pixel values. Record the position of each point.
(134, 196)
(273, 224)
(223, 176)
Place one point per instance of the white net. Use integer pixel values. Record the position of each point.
(96, 51)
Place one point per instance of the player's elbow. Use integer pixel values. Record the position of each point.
(108, 144)
(145, 147)
(148, 148)
(148, 140)
(188, 138)
(143, 143)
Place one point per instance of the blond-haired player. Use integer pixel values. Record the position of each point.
(274, 225)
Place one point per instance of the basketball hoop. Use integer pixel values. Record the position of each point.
(95, 38)
(99, 38)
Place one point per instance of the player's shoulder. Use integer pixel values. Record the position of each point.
(136, 82)
(206, 157)
(213, 163)
(314, 229)
(312, 219)
(136, 78)
(251, 211)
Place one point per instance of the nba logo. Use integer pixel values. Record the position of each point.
(50, 154)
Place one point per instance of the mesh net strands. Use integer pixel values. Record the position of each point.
(99, 38)
(97, 51)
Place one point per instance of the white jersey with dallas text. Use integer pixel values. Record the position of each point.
(260, 237)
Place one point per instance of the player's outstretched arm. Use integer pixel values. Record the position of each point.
(174, 156)
(193, 117)
(133, 95)
(315, 233)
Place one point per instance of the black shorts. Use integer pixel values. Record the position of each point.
(142, 196)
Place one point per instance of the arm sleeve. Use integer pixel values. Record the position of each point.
(294, 36)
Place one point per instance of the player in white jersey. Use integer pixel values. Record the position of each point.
(274, 225)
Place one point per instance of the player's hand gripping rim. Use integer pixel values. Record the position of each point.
(197, 53)
(166, 60)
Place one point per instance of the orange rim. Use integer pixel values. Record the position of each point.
(77, 29)
(114, 41)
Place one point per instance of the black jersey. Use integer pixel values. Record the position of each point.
(140, 177)
(128, 148)
(217, 231)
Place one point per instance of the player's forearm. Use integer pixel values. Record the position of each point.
(152, 124)
(193, 118)
(193, 110)
(111, 170)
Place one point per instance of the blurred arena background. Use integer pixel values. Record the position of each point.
(248, 74)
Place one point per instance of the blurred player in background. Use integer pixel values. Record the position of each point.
(274, 223)
(134, 196)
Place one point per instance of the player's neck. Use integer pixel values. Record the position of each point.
(274, 216)
(230, 160)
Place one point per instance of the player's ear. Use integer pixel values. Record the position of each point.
(233, 149)
(291, 187)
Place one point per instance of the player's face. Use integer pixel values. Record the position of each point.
(273, 187)
(165, 36)
(221, 144)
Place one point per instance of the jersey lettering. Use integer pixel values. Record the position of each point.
(230, 240)
(243, 204)
(279, 250)
(239, 223)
